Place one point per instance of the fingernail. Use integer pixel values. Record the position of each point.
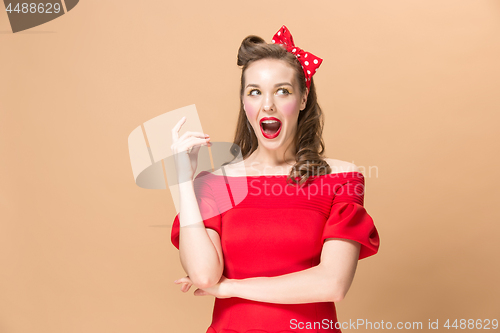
(176, 281)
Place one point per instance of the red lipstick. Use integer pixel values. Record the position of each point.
(272, 127)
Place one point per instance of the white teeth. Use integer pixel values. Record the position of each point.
(269, 121)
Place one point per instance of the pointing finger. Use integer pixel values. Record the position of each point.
(177, 127)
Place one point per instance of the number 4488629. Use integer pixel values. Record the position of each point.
(33, 8)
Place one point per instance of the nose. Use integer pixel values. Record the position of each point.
(268, 103)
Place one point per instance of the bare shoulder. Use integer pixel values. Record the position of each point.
(338, 166)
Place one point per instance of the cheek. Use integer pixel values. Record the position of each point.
(289, 108)
(251, 109)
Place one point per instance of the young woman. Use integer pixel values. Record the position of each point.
(279, 259)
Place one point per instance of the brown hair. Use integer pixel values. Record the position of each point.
(308, 139)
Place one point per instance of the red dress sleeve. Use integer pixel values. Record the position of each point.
(208, 209)
(348, 218)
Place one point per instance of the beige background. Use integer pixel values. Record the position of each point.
(408, 87)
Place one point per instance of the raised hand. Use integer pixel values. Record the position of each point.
(185, 150)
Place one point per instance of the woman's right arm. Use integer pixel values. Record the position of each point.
(200, 249)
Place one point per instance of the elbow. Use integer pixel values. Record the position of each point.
(336, 297)
(337, 293)
(204, 280)
(204, 276)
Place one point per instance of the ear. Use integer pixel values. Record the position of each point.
(303, 101)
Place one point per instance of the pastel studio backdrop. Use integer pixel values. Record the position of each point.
(409, 89)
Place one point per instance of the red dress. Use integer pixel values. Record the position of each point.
(269, 229)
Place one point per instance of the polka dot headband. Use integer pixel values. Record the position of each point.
(308, 61)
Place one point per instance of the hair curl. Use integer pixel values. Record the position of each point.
(308, 140)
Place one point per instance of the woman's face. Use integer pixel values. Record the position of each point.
(271, 92)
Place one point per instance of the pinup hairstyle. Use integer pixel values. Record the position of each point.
(308, 139)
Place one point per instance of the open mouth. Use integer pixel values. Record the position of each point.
(270, 127)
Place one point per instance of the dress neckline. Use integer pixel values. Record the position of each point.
(269, 176)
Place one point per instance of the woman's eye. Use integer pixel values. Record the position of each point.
(283, 91)
(253, 92)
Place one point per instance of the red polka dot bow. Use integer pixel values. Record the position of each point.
(309, 61)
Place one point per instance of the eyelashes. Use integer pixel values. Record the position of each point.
(255, 92)
(285, 90)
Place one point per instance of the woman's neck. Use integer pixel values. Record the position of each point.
(270, 161)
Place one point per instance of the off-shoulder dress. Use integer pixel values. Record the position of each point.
(268, 228)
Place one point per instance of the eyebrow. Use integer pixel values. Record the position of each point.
(276, 85)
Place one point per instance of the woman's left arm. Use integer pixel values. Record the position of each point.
(327, 282)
